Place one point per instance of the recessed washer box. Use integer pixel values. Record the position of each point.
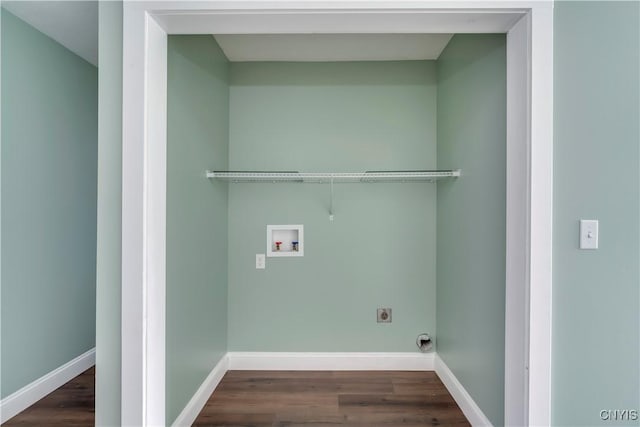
(285, 240)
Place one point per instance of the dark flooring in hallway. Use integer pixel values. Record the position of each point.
(71, 405)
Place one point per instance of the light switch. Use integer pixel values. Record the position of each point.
(588, 234)
(260, 261)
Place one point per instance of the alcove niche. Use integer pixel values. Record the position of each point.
(392, 164)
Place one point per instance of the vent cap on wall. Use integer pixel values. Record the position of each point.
(424, 343)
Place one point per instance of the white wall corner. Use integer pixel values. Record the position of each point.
(279, 361)
(469, 408)
(190, 412)
(20, 400)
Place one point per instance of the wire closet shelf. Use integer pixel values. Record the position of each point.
(333, 177)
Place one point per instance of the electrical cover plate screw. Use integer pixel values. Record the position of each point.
(384, 315)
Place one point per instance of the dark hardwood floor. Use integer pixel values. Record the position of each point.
(358, 398)
(71, 405)
(283, 398)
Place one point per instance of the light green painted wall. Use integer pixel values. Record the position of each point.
(109, 238)
(379, 251)
(49, 160)
(596, 314)
(471, 216)
(198, 135)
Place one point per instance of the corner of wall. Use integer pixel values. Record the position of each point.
(471, 258)
(197, 215)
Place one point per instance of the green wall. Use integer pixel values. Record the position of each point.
(198, 135)
(380, 249)
(596, 323)
(109, 237)
(471, 216)
(49, 160)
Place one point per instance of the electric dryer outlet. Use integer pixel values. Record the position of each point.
(384, 315)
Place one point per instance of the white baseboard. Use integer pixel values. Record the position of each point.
(199, 399)
(17, 402)
(464, 400)
(281, 361)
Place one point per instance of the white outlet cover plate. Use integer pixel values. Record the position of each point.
(588, 234)
(260, 261)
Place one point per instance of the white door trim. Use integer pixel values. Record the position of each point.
(145, 26)
(540, 217)
(517, 223)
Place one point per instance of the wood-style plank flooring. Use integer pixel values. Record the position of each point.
(356, 398)
(73, 404)
(283, 398)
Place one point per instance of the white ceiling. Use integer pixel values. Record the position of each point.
(73, 24)
(331, 47)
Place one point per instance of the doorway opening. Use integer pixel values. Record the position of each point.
(528, 169)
